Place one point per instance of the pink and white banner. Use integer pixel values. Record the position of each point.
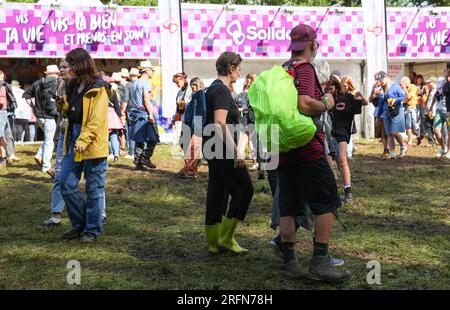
(31, 30)
(28, 30)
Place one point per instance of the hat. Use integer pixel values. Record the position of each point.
(124, 73)
(380, 76)
(116, 77)
(52, 69)
(301, 36)
(134, 72)
(15, 83)
(146, 65)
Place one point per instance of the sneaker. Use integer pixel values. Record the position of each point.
(88, 238)
(2, 162)
(293, 270)
(385, 155)
(38, 161)
(116, 159)
(321, 270)
(336, 262)
(148, 163)
(403, 151)
(348, 197)
(440, 153)
(104, 219)
(446, 156)
(72, 233)
(51, 223)
(392, 156)
(129, 157)
(14, 159)
(110, 157)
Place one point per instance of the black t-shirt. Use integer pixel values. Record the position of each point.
(342, 115)
(75, 99)
(218, 97)
(446, 92)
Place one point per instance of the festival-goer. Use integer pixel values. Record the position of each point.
(343, 113)
(134, 76)
(3, 119)
(228, 174)
(430, 111)
(375, 98)
(304, 174)
(114, 118)
(247, 120)
(446, 92)
(422, 98)
(440, 122)
(410, 103)
(348, 86)
(22, 112)
(123, 92)
(193, 153)
(183, 97)
(86, 148)
(394, 113)
(142, 122)
(44, 107)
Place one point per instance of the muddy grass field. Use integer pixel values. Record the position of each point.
(154, 237)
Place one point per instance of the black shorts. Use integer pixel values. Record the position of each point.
(310, 182)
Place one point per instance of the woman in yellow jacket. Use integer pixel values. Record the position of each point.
(86, 147)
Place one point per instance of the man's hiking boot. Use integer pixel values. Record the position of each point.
(321, 270)
(293, 270)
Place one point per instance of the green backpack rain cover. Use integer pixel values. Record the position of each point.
(273, 98)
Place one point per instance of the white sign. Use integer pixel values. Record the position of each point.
(396, 72)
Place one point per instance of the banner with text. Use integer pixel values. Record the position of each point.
(28, 30)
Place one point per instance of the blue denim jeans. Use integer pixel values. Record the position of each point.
(114, 144)
(85, 214)
(57, 199)
(45, 152)
(131, 144)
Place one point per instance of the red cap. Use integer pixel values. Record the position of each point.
(301, 36)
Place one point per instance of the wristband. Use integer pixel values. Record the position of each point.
(325, 102)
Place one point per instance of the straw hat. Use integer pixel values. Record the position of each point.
(116, 77)
(51, 69)
(124, 73)
(134, 72)
(146, 65)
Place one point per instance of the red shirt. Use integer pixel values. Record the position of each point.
(307, 85)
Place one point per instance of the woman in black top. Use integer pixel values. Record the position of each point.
(343, 113)
(228, 174)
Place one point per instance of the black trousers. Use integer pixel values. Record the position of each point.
(428, 124)
(144, 150)
(225, 180)
(21, 126)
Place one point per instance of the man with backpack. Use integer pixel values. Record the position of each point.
(304, 173)
(44, 91)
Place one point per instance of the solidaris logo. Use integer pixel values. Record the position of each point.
(252, 33)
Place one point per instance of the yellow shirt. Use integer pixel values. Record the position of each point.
(412, 95)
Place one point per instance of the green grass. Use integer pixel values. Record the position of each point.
(154, 238)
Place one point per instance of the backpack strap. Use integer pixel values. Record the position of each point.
(290, 69)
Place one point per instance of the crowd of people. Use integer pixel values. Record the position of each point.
(94, 118)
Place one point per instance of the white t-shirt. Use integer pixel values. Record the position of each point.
(23, 110)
